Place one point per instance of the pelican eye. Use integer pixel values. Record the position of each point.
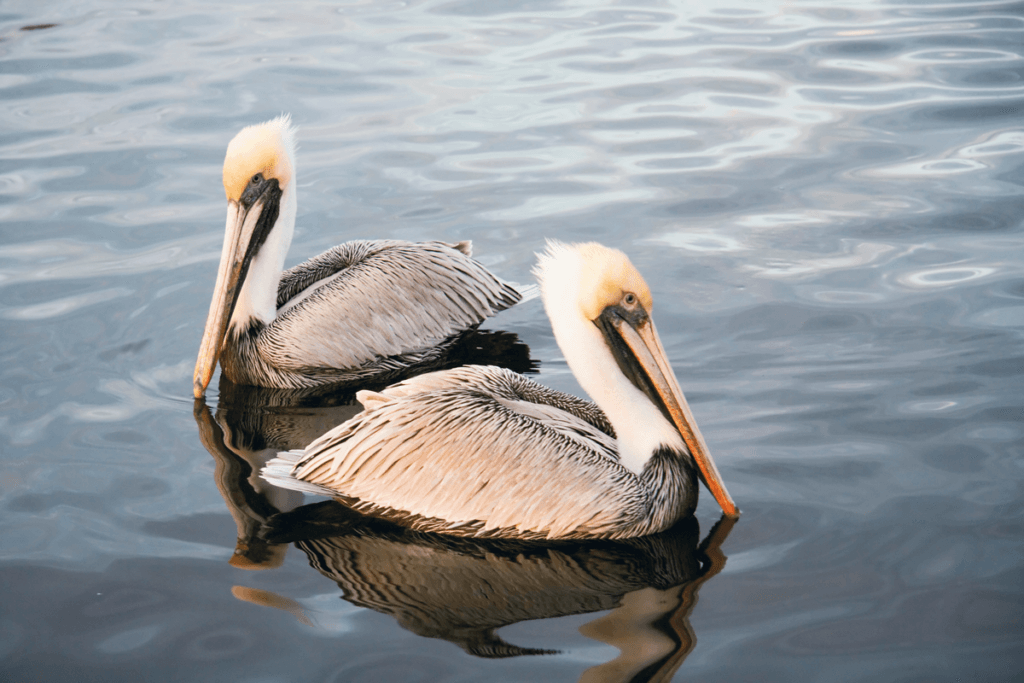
(254, 189)
(629, 299)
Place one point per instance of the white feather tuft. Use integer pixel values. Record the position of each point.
(278, 472)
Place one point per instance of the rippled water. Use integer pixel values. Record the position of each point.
(825, 197)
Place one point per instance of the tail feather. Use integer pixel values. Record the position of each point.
(527, 292)
(278, 472)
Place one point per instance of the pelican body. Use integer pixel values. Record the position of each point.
(359, 311)
(483, 451)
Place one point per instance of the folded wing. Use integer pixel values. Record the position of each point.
(373, 299)
(511, 458)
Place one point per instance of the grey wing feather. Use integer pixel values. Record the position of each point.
(587, 411)
(296, 279)
(488, 468)
(366, 300)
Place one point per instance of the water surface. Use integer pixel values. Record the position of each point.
(825, 198)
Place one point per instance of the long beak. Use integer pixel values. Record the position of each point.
(230, 277)
(643, 341)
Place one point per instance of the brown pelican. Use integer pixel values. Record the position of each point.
(483, 451)
(358, 311)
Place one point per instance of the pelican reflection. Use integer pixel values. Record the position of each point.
(464, 590)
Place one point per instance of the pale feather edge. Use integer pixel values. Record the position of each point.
(278, 471)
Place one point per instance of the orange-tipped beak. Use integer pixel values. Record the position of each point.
(643, 341)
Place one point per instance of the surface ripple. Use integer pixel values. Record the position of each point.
(825, 198)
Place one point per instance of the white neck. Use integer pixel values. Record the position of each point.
(258, 298)
(640, 427)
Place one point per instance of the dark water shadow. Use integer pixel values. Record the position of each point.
(463, 590)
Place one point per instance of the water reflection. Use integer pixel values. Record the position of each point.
(464, 590)
(242, 440)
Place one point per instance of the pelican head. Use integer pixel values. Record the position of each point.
(259, 181)
(600, 311)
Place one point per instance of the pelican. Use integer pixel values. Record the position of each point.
(485, 452)
(359, 311)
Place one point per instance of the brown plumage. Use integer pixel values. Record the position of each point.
(480, 451)
(362, 310)
(552, 469)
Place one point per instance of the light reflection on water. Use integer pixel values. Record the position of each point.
(825, 198)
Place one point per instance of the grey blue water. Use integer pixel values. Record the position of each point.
(825, 197)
